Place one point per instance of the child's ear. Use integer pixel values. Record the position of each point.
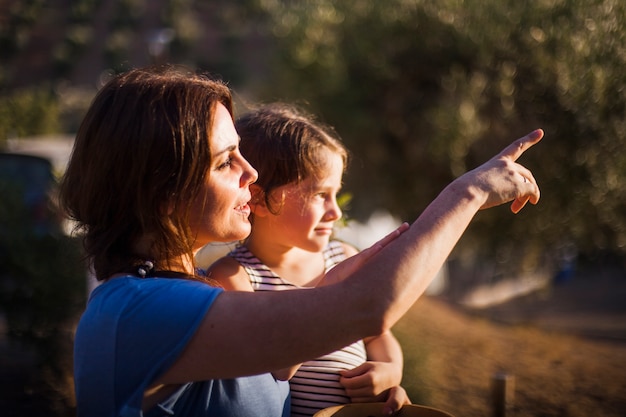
(257, 203)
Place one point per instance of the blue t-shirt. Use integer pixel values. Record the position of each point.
(133, 330)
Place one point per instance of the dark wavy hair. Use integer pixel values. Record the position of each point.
(141, 155)
(285, 144)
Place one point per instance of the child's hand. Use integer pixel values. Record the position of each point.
(396, 398)
(363, 384)
(369, 381)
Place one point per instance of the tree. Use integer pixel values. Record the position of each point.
(422, 91)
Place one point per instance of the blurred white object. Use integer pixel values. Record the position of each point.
(378, 225)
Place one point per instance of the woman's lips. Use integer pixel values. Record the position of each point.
(243, 209)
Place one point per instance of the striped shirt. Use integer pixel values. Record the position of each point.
(316, 384)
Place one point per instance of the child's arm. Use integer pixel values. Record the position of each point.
(386, 348)
(229, 274)
(383, 370)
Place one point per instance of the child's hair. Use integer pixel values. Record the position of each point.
(285, 144)
(141, 155)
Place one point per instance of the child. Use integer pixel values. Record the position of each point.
(294, 205)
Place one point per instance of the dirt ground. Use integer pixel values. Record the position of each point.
(563, 350)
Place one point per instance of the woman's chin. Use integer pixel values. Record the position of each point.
(235, 235)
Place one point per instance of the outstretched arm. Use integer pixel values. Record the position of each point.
(284, 328)
(229, 273)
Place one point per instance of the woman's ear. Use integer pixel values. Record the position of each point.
(257, 203)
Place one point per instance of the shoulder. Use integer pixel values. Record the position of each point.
(347, 249)
(131, 293)
(230, 274)
(224, 266)
(127, 308)
(337, 251)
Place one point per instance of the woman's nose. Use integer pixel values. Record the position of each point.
(250, 175)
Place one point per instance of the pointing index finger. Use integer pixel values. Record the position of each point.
(517, 148)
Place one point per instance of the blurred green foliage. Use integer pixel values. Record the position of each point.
(29, 111)
(420, 90)
(423, 90)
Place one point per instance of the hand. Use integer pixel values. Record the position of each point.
(396, 398)
(353, 263)
(503, 180)
(370, 381)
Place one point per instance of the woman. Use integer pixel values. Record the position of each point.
(156, 174)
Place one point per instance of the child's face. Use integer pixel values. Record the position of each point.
(309, 209)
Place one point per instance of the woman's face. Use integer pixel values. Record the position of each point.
(220, 212)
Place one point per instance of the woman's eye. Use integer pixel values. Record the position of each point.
(225, 164)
